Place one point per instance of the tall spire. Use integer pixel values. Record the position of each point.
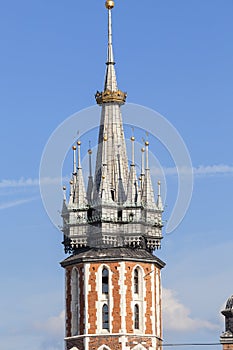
(110, 79)
(111, 92)
(111, 125)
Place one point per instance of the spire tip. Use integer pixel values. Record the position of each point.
(109, 4)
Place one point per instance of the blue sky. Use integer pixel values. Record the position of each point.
(172, 56)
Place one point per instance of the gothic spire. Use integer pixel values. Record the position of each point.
(159, 199)
(90, 179)
(148, 199)
(111, 125)
(132, 189)
(79, 195)
(114, 211)
(110, 79)
(64, 205)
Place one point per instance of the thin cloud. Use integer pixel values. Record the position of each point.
(16, 203)
(22, 182)
(202, 170)
(208, 170)
(176, 316)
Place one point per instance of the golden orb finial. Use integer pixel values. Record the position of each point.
(159, 182)
(89, 151)
(109, 4)
(143, 149)
(74, 148)
(105, 138)
(146, 143)
(132, 138)
(64, 188)
(79, 143)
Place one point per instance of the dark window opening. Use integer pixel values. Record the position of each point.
(105, 318)
(136, 281)
(136, 316)
(119, 215)
(89, 214)
(113, 195)
(105, 276)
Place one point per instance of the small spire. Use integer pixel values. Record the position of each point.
(64, 193)
(79, 154)
(143, 161)
(90, 178)
(90, 163)
(71, 193)
(132, 143)
(74, 160)
(64, 206)
(79, 195)
(159, 199)
(147, 190)
(147, 155)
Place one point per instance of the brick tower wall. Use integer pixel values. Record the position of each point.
(121, 300)
(228, 346)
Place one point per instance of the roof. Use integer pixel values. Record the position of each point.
(112, 254)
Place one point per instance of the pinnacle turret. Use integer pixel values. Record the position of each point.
(117, 210)
(148, 198)
(132, 188)
(90, 178)
(80, 196)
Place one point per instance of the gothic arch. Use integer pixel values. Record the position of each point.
(139, 347)
(104, 347)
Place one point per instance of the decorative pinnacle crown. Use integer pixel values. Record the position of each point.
(110, 96)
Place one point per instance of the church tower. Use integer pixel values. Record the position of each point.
(111, 229)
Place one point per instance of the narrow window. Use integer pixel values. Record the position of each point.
(105, 281)
(135, 281)
(136, 316)
(119, 215)
(89, 214)
(105, 320)
(131, 217)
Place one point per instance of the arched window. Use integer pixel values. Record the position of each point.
(136, 281)
(105, 278)
(105, 317)
(136, 316)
